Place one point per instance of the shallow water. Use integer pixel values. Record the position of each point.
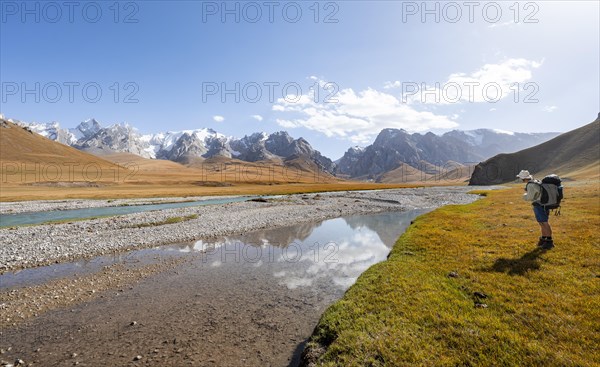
(249, 300)
(10, 220)
(330, 254)
(42, 274)
(359, 240)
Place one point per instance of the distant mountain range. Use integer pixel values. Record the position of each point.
(181, 146)
(392, 148)
(575, 153)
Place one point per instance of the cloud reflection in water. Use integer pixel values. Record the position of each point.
(330, 254)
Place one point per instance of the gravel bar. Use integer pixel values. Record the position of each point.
(30, 246)
(18, 207)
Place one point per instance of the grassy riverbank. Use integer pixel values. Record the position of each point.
(466, 285)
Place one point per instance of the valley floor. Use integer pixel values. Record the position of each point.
(30, 246)
(178, 309)
(152, 189)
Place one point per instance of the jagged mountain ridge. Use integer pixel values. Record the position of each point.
(391, 149)
(181, 146)
(394, 147)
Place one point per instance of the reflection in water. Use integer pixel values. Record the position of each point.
(329, 254)
(386, 225)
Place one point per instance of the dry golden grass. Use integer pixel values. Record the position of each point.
(143, 164)
(591, 172)
(35, 168)
(19, 193)
(543, 307)
(28, 157)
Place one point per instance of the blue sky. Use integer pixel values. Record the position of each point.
(374, 57)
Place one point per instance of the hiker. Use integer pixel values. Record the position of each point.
(533, 194)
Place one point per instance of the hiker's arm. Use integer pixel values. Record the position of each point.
(531, 193)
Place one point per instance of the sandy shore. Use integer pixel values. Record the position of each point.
(31, 246)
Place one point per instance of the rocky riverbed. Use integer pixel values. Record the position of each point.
(31, 246)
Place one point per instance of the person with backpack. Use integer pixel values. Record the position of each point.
(544, 196)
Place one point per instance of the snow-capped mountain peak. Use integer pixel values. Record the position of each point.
(86, 129)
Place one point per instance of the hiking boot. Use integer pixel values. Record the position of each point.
(547, 244)
(541, 242)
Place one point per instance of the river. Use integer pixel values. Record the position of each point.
(249, 300)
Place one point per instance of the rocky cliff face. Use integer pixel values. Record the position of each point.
(115, 138)
(183, 145)
(390, 150)
(251, 148)
(86, 129)
(283, 145)
(394, 147)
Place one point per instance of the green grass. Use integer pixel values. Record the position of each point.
(543, 308)
(171, 220)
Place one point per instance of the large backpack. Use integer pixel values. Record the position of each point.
(552, 192)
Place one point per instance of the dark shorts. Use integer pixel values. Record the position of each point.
(541, 213)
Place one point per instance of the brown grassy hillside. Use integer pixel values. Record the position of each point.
(28, 158)
(35, 168)
(574, 155)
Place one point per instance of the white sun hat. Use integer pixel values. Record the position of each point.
(524, 174)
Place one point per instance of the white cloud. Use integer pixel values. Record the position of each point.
(218, 118)
(392, 85)
(490, 83)
(493, 110)
(257, 117)
(549, 108)
(358, 117)
(288, 124)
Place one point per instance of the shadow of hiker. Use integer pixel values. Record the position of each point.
(297, 355)
(520, 266)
